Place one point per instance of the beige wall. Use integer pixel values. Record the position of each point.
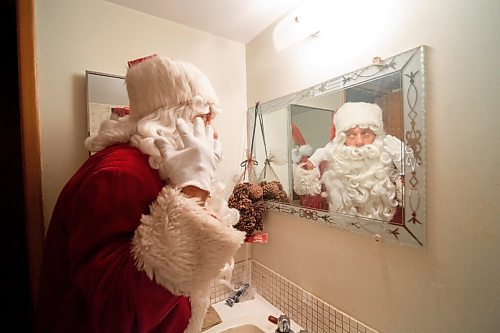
(78, 35)
(453, 283)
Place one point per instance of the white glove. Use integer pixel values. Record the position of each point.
(195, 164)
(395, 148)
(295, 155)
(318, 156)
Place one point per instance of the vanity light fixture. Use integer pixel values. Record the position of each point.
(317, 33)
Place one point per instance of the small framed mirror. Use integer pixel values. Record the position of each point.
(396, 86)
(106, 98)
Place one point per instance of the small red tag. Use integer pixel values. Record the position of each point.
(121, 111)
(136, 61)
(259, 237)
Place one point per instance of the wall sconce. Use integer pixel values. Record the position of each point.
(301, 24)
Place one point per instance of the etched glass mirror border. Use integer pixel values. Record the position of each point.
(410, 67)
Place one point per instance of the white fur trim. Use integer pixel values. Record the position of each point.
(306, 182)
(306, 150)
(160, 82)
(184, 248)
(353, 114)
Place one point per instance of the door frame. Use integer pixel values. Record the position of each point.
(30, 139)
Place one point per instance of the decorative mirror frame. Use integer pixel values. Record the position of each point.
(412, 228)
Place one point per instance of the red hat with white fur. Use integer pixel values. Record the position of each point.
(354, 114)
(156, 82)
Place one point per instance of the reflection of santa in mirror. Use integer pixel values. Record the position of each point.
(362, 176)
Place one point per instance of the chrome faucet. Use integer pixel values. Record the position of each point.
(238, 294)
(284, 325)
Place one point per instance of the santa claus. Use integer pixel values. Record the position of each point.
(141, 230)
(363, 176)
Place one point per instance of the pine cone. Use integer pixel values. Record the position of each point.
(273, 190)
(255, 191)
(248, 200)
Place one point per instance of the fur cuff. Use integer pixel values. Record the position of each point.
(306, 182)
(183, 248)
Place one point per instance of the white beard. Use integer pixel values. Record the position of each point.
(360, 181)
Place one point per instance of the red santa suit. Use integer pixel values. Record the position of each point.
(89, 279)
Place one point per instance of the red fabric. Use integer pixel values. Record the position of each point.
(121, 111)
(297, 136)
(89, 282)
(136, 61)
(313, 201)
(332, 128)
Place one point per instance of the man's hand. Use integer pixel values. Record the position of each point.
(307, 165)
(194, 165)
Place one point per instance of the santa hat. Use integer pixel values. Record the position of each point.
(353, 114)
(156, 82)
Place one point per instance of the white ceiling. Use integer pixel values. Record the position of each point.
(237, 20)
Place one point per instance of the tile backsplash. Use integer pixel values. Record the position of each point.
(241, 274)
(301, 306)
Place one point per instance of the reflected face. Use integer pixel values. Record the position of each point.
(207, 118)
(358, 137)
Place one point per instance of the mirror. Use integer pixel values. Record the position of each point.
(396, 85)
(106, 98)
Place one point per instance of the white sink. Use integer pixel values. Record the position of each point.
(248, 317)
(245, 328)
